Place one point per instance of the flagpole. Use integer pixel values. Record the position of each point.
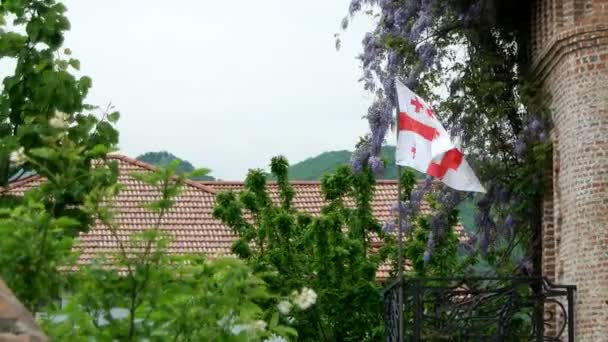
(400, 237)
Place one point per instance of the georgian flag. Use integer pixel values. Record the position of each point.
(424, 145)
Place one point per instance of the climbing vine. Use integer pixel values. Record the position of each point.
(470, 59)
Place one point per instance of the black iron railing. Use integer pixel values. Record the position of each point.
(480, 309)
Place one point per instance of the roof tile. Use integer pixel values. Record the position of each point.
(190, 222)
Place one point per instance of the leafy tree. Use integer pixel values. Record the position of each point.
(142, 292)
(46, 128)
(163, 158)
(330, 253)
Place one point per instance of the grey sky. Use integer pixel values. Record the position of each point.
(224, 84)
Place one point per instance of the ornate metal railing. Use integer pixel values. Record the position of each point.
(480, 309)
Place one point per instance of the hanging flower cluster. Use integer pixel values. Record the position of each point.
(60, 120)
(471, 56)
(18, 157)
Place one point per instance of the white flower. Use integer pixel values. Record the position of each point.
(255, 326)
(275, 338)
(284, 307)
(227, 321)
(291, 320)
(238, 328)
(260, 325)
(305, 299)
(60, 120)
(18, 157)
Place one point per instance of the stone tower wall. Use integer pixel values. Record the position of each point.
(570, 57)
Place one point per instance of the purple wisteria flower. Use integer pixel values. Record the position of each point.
(426, 257)
(503, 195)
(388, 227)
(509, 225)
(401, 208)
(392, 61)
(344, 23)
(379, 117)
(427, 53)
(406, 225)
(354, 7)
(422, 23)
(376, 165)
(473, 14)
(520, 148)
(359, 158)
(484, 241)
(535, 126)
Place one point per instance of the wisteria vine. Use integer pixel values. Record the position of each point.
(472, 64)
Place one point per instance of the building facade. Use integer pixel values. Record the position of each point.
(569, 49)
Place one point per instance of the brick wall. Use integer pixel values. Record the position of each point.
(570, 57)
(16, 323)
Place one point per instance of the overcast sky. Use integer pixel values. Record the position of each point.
(224, 84)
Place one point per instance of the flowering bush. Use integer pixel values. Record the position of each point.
(469, 58)
(48, 129)
(323, 266)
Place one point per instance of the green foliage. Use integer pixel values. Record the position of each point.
(330, 254)
(143, 293)
(445, 260)
(163, 158)
(328, 162)
(492, 104)
(47, 129)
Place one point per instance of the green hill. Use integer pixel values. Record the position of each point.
(313, 168)
(327, 162)
(163, 158)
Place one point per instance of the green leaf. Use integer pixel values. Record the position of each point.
(75, 63)
(43, 152)
(85, 83)
(199, 173)
(11, 44)
(113, 117)
(67, 222)
(274, 321)
(98, 151)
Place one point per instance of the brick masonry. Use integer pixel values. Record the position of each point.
(16, 323)
(570, 57)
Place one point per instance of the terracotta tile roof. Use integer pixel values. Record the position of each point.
(190, 222)
(309, 198)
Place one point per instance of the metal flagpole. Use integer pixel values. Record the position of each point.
(400, 246)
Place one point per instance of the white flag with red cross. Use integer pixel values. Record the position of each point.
(424, 145)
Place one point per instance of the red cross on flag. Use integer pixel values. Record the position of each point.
(424, 145)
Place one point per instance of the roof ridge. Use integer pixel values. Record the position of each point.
(151, 167)
(19, 182)
(221, 182)
(303, 182)
(114, 156)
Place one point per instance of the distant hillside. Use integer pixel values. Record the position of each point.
(163, 158)
(327, 162)
(313, 168)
